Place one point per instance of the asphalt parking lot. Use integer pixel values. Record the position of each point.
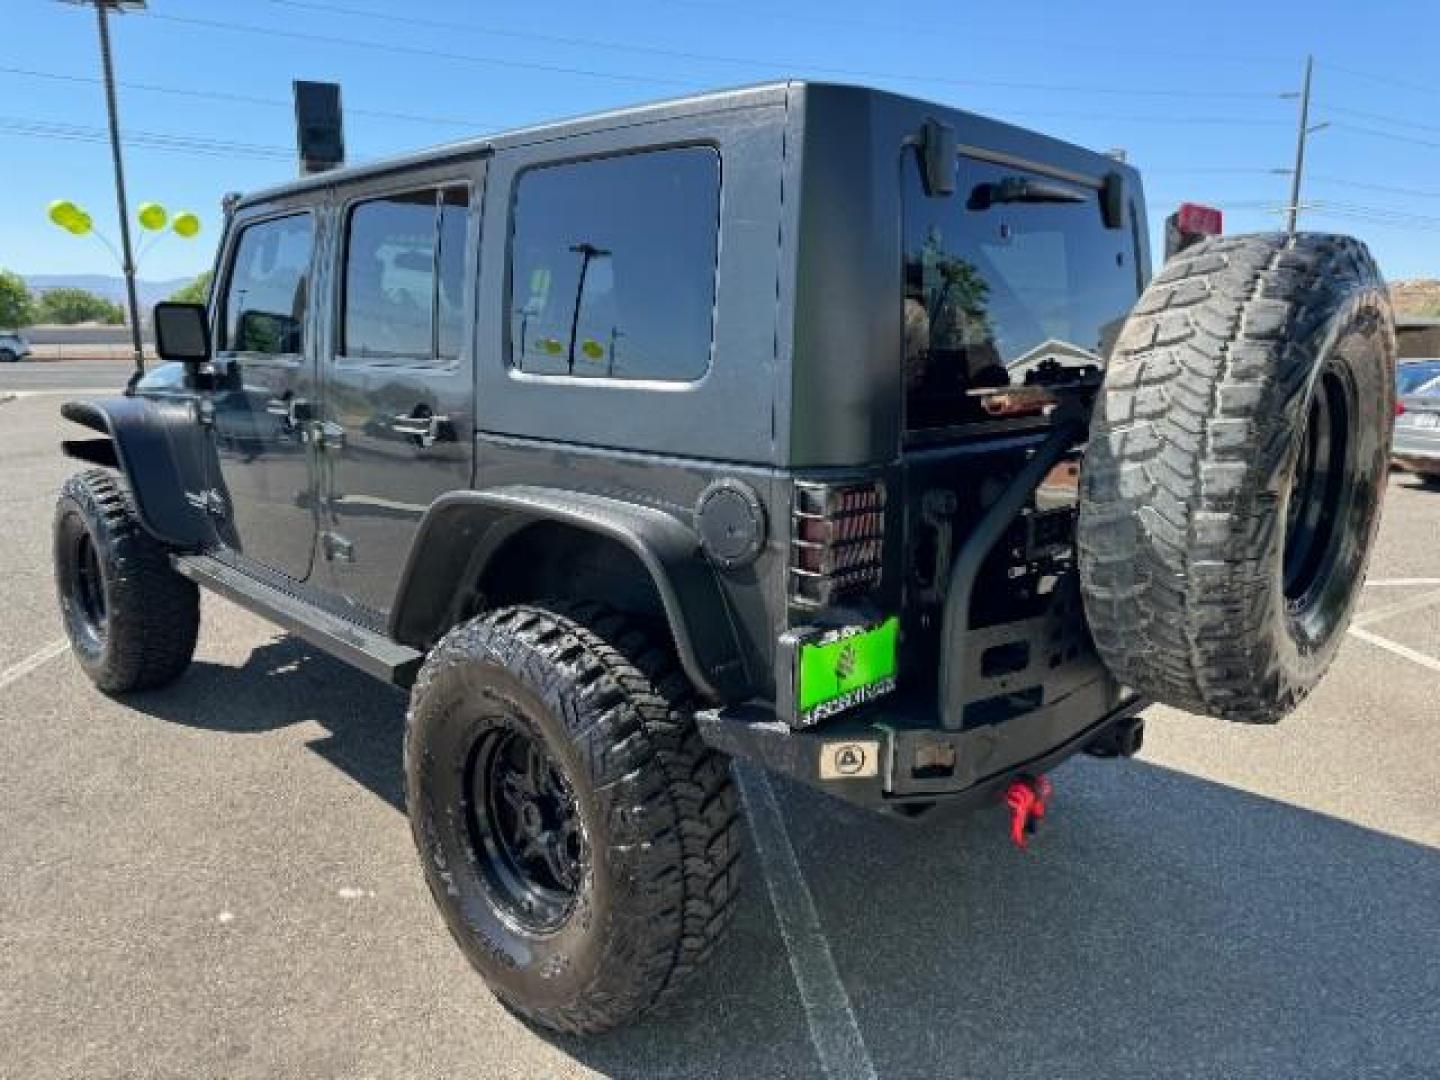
(217, 880)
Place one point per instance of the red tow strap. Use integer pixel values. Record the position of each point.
(1028, 797)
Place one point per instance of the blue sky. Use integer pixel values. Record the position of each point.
(1192, 92)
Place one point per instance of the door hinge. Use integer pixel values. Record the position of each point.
(337, 548)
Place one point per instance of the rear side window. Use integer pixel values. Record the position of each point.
(266, 293)
(404, 291)
(612, 269)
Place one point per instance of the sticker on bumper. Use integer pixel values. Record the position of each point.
(849, 760)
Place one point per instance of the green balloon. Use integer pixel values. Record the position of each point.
(152, 216)
(186, 224)
(80, 224)
(62, 212)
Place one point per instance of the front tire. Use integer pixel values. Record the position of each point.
(580, 840)
(131, 619)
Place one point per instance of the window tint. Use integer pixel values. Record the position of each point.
(404, 266)
(265, 296)
(1001, 287)
(613, 266)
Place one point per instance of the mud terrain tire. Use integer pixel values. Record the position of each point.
(584, 935)
(1237, 460)
(131, 619)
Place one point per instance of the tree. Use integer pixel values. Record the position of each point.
(194, 293)
(68, 306)
(17, 306)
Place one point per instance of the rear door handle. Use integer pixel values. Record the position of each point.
(427, 429)
(292, 410)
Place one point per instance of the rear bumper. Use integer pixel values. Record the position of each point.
(902, 757)
(1416, 448)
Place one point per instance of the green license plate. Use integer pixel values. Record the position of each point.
(845, 668)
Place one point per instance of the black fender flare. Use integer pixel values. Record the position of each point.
(167, 460)
(463, 530)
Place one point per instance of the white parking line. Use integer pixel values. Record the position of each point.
(41, 656)
(833, 1030)
(1396, 648)
(1403, 581)
(1380, 614)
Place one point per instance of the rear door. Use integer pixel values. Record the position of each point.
(396, 425)
(265, 334)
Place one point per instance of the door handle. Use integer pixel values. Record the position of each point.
(292, 410)
(427, 429)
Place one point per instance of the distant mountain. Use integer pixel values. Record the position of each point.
(111, 287)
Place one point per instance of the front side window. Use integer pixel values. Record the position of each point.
(1006, 280)
(613, 266)
(263, 310)
(404, 283)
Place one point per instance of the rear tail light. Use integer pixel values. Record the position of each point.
(1399, 408)
(837, 541)
(1197, 220)
(1190, 224)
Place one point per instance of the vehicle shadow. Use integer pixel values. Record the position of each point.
(1161, 925)
(286, 682)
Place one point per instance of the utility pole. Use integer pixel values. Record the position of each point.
(102, 13)
(1293, 211)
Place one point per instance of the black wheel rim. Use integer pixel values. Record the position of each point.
(1321, 490)
(88, 588)
(525, 828)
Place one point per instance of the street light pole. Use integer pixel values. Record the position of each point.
(1294, 208)
(102, 12)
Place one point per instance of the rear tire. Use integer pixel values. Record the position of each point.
(1238, 457)
(580, 840)
(7, 356)
(131, 619)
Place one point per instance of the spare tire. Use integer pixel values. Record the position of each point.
(1232, 484)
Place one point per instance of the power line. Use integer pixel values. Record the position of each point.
(243, 99)
(1387, 80)
(476, 124)
(477, 58)
(1387, 188)
(152, 139)
(589, 42)
(1384, 118)
(414, 50)
(1386, 134)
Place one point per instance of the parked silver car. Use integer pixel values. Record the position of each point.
(1417, 427)
(12, 347)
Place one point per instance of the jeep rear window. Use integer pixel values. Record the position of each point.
(612, 270)
(997, 285)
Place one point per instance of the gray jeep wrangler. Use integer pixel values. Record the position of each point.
(810, 425)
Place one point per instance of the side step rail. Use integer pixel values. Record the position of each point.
(372, 653)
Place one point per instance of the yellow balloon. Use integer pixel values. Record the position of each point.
(152, 216)
(62, 212)
(80, 224)
(186, 224)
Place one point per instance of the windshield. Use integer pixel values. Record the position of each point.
(1001, 288)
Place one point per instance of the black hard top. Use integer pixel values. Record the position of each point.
(746, 97)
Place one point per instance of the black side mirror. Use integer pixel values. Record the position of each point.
(182, 332)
